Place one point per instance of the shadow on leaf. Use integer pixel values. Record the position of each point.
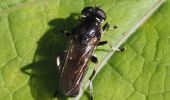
(44, 79)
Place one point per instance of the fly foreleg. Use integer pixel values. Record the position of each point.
(113, 48)
(107, 27)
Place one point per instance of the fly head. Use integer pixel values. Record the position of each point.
(96, 12)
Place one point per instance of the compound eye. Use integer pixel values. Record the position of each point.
(87, 10)
(101, 13)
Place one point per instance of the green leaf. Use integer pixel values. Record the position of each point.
(30, 39)
(142, 72)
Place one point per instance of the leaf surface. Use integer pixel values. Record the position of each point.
(30, 39)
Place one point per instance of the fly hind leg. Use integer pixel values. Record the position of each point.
(91, 84)
(94, 60)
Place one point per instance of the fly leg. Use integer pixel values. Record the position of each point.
(107, 26)
(113, 48)
(91, 90)
(94, 59)
(102, 43)
(91, 84)
(120, 49)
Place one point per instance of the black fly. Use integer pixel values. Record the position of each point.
(85, 37)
